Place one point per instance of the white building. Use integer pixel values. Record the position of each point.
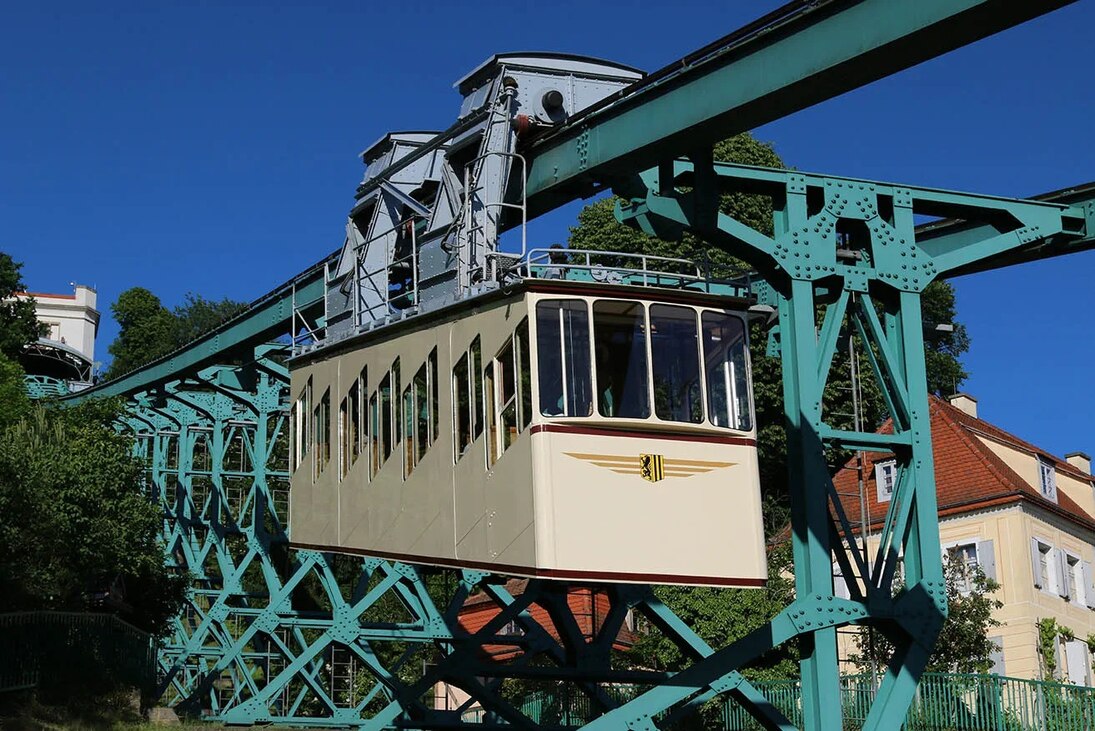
(67, 351)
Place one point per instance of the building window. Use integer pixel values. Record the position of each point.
(885, 475)
(1076, 576)
(1047, 475)
(1046, 567)
(966, 556)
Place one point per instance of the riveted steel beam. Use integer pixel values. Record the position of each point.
(798, 56)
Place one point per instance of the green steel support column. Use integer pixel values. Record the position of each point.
(844, 251)
(809, 475)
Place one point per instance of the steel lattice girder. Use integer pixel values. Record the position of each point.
(243, 652)
(849, 249)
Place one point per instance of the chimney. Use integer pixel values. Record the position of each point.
(965, 403)
(1080, 461)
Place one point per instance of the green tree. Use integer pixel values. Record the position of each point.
(198, 315)
(76, 519)
(150, 330)
(963, 645)
(19, 325)
(14, 403)
(147, 331)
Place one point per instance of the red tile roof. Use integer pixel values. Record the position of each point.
(968, 474)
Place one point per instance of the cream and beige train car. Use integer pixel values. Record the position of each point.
(551, 428)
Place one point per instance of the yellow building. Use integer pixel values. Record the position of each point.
(1025, 516)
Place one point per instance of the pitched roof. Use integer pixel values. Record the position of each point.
(968, 474)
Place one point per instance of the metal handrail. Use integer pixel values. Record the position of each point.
(541, 258)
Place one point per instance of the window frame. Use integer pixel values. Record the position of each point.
(591, 302)
(1047, 479)
(880, 469)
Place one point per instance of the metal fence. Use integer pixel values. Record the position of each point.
(944, 702)
(54, 649)
(948, 701)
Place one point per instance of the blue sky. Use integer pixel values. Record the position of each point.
(211, 147)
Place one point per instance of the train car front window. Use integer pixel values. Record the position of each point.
(562, 360)
(674, 350)
(619, 330)
(727, 371)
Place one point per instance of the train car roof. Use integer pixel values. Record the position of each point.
(514, 290)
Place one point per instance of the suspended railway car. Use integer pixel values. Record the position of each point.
(552, 428)
(539, 413)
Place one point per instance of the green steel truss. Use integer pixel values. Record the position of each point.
(846, 256)
(306, 638)
(312, 639)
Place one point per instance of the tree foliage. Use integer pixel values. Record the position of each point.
(76, 519)
(150, 330)
(722, 616)
(19, 325)
(963, 645)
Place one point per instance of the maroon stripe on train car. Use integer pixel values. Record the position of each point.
(678, 437)
(501, 568)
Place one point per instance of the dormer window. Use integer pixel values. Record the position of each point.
(1047, 475)
(885, 475)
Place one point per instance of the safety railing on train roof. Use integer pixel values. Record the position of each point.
(634, 269)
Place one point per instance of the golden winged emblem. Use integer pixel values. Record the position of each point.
(650, 467)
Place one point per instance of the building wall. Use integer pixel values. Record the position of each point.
(1003, 538)
(72, 318)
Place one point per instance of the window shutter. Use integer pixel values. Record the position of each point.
(1089, 585)
(986, 559)
(840, 584)
(1036, 563)
(1076, 661)
(997, 655)
(1062, 573)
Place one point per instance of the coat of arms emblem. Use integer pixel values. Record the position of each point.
(652, 467)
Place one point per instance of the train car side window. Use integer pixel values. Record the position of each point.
(395, 408)
(619, 334)
(507, 399)
(476, 388)
(322, 416)
(675, 360)
(562, 358)
(409, 460)
(420, 417)
(492, 426)
(360, 393)
(461, 407)
(303, 433)
(524, 375)
(353, 423)
(435, 398)
(343, 439)
(384, 443)
(374, 434)
(726, 366)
